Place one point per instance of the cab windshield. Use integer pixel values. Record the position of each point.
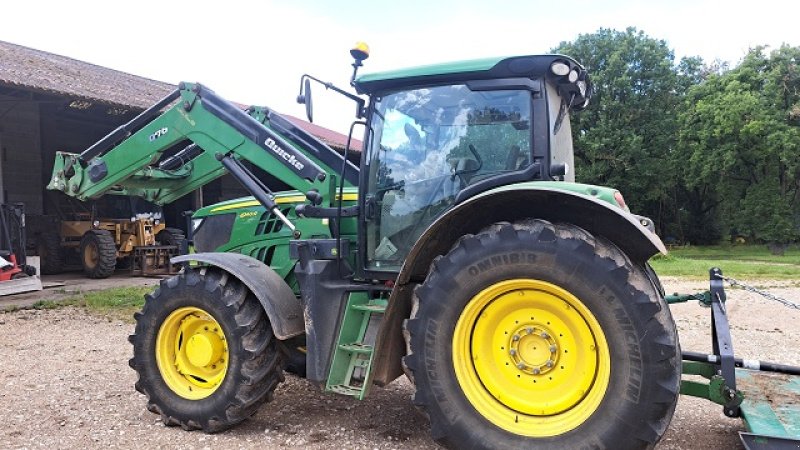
(427, 145)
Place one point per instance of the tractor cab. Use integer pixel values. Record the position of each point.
(441, 134)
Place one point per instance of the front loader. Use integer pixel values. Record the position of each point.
(460, 253)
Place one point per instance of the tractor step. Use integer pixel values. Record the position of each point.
(345, 390)
(356, 347)
(371, 307)
(351, 368)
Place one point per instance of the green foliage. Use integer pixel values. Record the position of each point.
(123, 297)
(703, 149)
(748, 262)
(119, 302)
(740, 133)
(624, 138)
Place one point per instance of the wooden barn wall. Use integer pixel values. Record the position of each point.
(20, 157)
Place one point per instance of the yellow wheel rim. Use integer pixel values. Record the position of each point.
(90, 255)
(191, 353)
(531, 358)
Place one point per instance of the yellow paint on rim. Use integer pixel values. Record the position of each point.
(90, 255)
(278, 200)
(191, 353)
(531, 358)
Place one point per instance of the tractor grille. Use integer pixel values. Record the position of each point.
(263, 254)
(268, 223)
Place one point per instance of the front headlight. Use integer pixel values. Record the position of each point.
(196, 223)
(581, 87)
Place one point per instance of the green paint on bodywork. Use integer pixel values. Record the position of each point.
(474, 65)
(130, 164)
(605, 194)
(245, 239)
(250, 238)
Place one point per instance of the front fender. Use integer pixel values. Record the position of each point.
(283, 309)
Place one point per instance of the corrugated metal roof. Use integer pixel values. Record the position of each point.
(46, 72)
(330, 137)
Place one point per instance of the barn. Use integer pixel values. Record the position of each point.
(52, 103)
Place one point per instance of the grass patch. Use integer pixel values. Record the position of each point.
(751, 262)
(119, 302)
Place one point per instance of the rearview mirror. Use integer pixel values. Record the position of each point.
(305, 99)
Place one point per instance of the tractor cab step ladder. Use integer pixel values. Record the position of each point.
(351, 365)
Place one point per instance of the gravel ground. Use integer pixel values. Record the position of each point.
(65, 384)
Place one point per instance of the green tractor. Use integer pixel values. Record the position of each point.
(460, 253)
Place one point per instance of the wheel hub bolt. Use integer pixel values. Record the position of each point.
(529, 330)
(545, 335)
(520, 366)
(549, 363)
(515, 338)
(512, 352)
(553, 349)
(536, 371)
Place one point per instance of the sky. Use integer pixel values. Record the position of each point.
(254, 52)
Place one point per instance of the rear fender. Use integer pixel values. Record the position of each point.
(283, 309)
(511, 203)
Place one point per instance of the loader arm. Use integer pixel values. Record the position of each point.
(164, 154)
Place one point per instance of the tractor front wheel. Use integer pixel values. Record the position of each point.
(204, 351)
(540, 335)
(98, 254)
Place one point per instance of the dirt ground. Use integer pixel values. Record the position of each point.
(65, 383)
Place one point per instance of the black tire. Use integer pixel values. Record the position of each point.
(255, 362)
(171, 236)
(294, 350)
(51, 256)
(634, 408)
(29, 270)
(98, 254)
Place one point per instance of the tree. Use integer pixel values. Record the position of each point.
(625, 138)
(740, 132)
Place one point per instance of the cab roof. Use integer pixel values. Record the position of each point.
(528, 66)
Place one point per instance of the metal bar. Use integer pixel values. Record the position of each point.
(721, 340)
(695, 389)
(751, 364)
(182, 157)
(255, 187)
(110, 141)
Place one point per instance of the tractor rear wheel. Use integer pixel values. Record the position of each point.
(51, 258)
(540, 335)
(98, 254)
(204, 351)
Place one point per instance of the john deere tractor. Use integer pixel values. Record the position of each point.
(460, 253)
